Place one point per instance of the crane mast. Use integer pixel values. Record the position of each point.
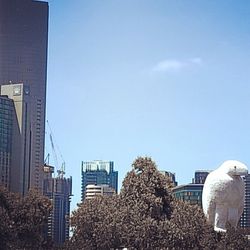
(61, 170)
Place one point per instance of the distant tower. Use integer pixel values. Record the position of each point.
(200, 176)
(23, 58)
(99, 173)
(7, 115)
(245, 218)
(59, 191)
(19, 165)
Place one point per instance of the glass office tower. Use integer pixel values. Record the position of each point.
(245, 217)
(20, 165)
(99, 173)
(6, 133)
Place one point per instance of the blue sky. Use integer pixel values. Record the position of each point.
(166, 79)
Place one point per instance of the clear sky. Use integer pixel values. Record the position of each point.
(159, 78)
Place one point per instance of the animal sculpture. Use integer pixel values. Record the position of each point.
(224, 194)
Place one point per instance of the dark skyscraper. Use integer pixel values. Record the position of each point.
(23, 58)
(200, 176)
(6, 132)
(245, 217)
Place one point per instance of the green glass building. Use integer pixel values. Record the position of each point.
(6, 133)
(99, 173)
(191, 193)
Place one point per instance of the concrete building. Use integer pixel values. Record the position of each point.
(99, 173)
(93, 191)
(23, 58)
(20, 155)
(7, 112)
(245, 218)
(59, 190)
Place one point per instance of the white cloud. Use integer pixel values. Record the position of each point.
(195, 60)
(169, 65)
(173, 65)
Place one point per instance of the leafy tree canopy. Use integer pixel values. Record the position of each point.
(22, 220)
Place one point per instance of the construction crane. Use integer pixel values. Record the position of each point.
(46, 161)
(61, 170)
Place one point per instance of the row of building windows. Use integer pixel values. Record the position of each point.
(188, 194)
(6, 103)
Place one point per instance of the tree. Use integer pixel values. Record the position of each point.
(6, 207)
(23, 220)
(233, 239)
(95, 224)
(146, 203)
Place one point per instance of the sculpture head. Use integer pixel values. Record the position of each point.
(234, 168)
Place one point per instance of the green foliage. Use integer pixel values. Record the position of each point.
(6, 207)
(99, 224)
(233, 239)
(146, 190)
(145, 215)
(22, 220)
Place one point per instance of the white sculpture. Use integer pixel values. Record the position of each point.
(224, 194)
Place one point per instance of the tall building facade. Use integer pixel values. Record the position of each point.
(59, 191)
(7, 112)
(245, 217)
(200, 176)
(23, 58)
(99, 173)
(20, 147)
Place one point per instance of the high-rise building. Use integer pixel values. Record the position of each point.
(19, 164)
(200, 176)
(7, 112)
(245, 217)
(23, 58)
(59, 191)
(99, 173)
